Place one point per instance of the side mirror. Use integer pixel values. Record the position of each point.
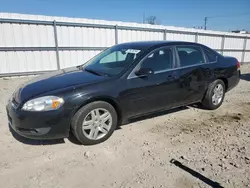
(144, 72)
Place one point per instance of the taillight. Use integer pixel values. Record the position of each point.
(238, 65)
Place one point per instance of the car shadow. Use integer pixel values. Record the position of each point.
(160, 113)
(73, 139)
(198, 106)
(34, 142)
(196, 174)
(245, 77)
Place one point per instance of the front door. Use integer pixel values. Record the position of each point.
(155, 91)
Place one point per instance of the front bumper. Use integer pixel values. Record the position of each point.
(39, 125)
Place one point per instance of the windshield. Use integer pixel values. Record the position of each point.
(112, 61)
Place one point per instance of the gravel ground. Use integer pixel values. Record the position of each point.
(187, 147)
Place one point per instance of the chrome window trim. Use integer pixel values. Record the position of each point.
(205, 55)
(174, 50)
(209, 62)
(174, 69)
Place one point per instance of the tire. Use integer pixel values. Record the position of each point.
(85, 132)
(208, 101)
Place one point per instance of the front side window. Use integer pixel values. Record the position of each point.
(189, 55)
(113, 61)
(159, 60)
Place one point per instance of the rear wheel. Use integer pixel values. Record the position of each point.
(214, 95)
(94, 123)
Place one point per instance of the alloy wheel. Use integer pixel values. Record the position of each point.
(97, 124)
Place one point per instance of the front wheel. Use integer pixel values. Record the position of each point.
(214, 95)
(94, 122)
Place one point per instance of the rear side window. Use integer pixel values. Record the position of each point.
(190, 55)
(210, 55)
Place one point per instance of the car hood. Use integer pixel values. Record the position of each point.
(55, 80)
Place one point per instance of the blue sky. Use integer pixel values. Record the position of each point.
(225, 14)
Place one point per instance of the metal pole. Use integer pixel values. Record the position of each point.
(205, 25)
(222, 44)
(244, 50)
(56, 45)
(196, 36)
(116, 40)
(165, 34)
(116, 34)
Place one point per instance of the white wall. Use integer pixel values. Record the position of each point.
(131, 35)
(74, 58)
(13, 62)
(87, 37)
(17, 35)
(181, 37)
(211, 41)
(25, 35)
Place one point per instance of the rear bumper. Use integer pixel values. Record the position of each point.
(39, 125)
(233, 80)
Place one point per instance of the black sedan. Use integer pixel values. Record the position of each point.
(123, 82)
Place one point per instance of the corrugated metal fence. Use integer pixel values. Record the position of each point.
(40, 44)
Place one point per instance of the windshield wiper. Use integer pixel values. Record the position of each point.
(79, 66)
(93, 72)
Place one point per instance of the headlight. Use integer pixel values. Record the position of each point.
(46, 103)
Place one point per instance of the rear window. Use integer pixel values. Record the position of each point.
(210, 55)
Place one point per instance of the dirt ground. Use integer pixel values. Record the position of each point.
(187, 147)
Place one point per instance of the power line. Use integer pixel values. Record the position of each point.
(221, 16)
(232, 15)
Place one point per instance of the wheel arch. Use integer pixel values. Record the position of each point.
(107, 99)
(225, 82)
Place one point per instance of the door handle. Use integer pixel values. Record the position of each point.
(171, 77)
(208, 71)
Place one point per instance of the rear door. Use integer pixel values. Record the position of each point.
(192, 80)
(210, 68)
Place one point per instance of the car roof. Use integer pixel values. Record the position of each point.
(152, 44)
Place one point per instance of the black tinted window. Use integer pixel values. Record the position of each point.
(159, 60)
(211, 56)
(189, 55)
